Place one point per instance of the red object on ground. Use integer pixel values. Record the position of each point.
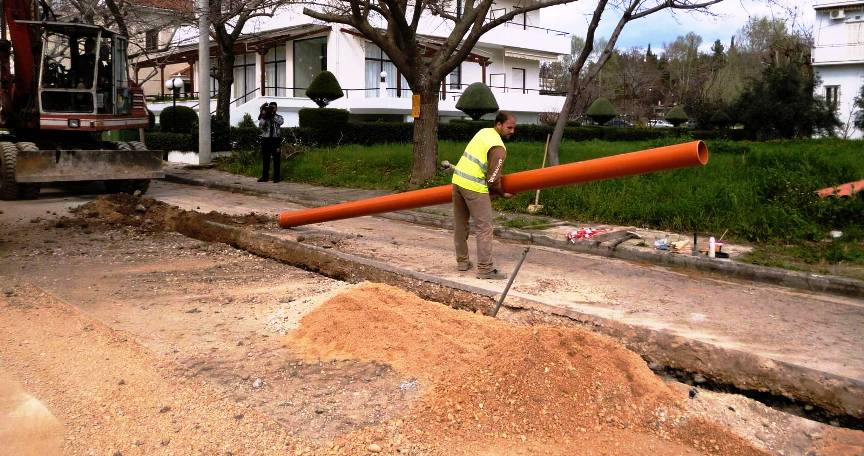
(843, 190)
(661, 158)
(584, 233)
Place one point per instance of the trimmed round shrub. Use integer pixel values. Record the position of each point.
(676, 116)
(324, 89)
(477, 100)
(601, 111)
(178, 119)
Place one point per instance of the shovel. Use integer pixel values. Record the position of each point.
(537, 207)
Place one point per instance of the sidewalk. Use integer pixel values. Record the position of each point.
(553, 232)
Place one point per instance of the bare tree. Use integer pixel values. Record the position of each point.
(392, 26)
(629, 10)
(129, 18)
(227, 19)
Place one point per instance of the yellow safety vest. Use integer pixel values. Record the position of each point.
(470, 172)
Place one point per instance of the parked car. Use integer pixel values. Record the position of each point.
(620, 123)
(659, 123)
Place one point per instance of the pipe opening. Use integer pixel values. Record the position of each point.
(702, 153)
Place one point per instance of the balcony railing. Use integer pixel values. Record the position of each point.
(451, 91)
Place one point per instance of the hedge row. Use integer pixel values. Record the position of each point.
(367, 133)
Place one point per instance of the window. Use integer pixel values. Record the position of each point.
(376, 62)
(454, 79)
(832, 95)
(519, 80)
(274, 72)
(244, 78)
(151, 38)
(310, 58)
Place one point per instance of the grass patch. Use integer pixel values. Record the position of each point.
(761, 192)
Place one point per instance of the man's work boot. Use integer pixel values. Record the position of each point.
(464, 266)
(491, 275)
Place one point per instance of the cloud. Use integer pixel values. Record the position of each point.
(663, 27)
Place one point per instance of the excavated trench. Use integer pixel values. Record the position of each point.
(794, 389)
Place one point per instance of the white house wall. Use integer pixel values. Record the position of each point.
(838, 55)
(346, 60)
(850, 78)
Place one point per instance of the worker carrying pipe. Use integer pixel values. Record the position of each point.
(694, 153)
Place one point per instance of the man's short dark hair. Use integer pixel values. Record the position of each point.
(503, 116)
(273, 104)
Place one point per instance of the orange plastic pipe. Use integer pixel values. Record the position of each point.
(661, 158)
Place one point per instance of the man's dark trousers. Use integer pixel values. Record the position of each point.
(270, 148)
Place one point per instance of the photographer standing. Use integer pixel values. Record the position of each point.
(270, 124)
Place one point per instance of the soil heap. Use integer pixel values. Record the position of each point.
(491, 387)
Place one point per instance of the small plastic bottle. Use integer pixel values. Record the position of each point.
(712, 245)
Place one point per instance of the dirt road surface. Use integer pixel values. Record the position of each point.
(131, 340)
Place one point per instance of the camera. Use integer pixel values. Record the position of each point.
(267, 112)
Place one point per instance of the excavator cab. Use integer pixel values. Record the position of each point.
(68, 88)
(83, 70)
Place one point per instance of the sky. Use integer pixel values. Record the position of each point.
(663, 27)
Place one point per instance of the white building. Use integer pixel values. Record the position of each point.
(838, 56)
(277, 58)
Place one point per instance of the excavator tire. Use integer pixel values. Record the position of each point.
(137, 145)
(28, 191)
(9, 189)
(129, 186)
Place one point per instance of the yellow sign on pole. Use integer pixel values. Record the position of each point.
(415, 106)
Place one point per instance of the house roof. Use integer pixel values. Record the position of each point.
(257, 42)
(173, 5)
(828, 4)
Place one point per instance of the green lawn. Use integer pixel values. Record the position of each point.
(761, 192)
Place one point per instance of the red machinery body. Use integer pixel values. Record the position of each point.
(69, 85)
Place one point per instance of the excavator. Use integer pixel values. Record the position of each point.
(62, 85)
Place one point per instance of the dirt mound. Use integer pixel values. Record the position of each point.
(496, 388)
(150, 214)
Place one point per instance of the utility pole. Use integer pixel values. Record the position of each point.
(203, 82)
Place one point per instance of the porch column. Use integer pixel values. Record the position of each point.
(191, 76)
(483, 66)
(162, 79)
(262, 53)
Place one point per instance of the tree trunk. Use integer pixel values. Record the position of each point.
(226, 81)
(425, 138)
(558, 132)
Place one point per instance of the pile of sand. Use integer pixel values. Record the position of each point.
(491, 387)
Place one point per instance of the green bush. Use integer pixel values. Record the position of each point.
(328, 126)
(245, 137)
(171, 141)
(220, 134)
(676, 116)
(151, 121)
(463, 130)
(477, 100)
(247, 122)
(601, 111)
(719, 119)
(324, 89)
(178, 119)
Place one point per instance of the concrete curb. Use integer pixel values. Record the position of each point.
(793, 279)
(834, 393)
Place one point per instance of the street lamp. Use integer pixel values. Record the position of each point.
(174, 84)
